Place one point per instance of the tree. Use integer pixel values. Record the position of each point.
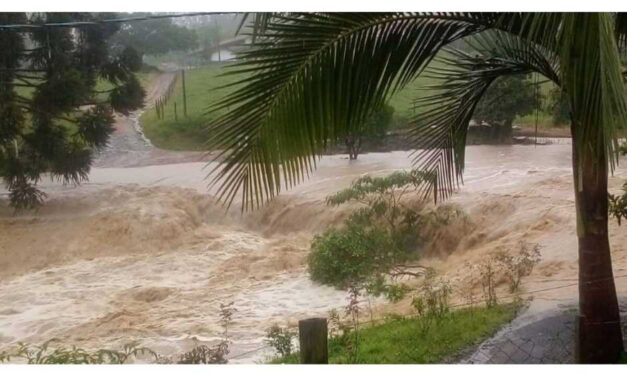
(558, 106)
(315, 76)
(155, 37)
(373, 130)
(507, 98)
(52, 114)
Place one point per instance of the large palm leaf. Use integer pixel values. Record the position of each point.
(312, 78)
(439, 132)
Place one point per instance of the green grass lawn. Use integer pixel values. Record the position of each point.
(403, 103)
(202, 83)
(189, 133)
(405, 341)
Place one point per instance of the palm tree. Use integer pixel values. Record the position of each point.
(310, 79)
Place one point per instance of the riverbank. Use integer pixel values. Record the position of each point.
(415, 340)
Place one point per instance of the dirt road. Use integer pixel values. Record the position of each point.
(129, 147)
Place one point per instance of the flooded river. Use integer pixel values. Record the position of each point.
(144, 254)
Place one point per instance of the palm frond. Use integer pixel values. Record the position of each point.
(620, 28)
(312, 79)
(440, 131)
(257, 21)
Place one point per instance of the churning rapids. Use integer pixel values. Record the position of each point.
(144, 253)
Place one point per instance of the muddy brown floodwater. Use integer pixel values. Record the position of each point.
(142, 253)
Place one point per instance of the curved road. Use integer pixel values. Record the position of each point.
(128, 147)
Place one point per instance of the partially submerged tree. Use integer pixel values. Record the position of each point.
(373, 130)
(507, 98)
(378, 242)
(52, 114)
(314, 77)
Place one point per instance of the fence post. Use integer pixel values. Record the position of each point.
(184, 93)
(176, 118)
(312, 335)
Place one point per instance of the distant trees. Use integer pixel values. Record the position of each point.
(208, 35)
(507, 98)
(155, 37)
(53, 111)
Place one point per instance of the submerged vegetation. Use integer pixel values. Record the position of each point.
(380, 238)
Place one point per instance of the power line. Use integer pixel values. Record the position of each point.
(75, 24)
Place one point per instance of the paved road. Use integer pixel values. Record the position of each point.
(531, 340)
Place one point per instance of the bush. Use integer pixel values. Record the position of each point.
(380, 238)
(204, 354)
(45, 354)
(519, 265)
(618, 204)
(281, 339)
(351, 255)
(432, 296)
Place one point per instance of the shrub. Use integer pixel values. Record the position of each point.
(487, 272)
(280, 339)
(519, 265)
(351, 255)
(379, 239)
(216, 354)
(45, 354)
(618, 204)
(432, 297)
(204, 354)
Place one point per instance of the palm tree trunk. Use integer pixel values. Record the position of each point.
(599, 337)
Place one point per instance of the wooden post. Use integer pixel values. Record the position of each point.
(312, 335)
(175, 115)
(184, 93)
